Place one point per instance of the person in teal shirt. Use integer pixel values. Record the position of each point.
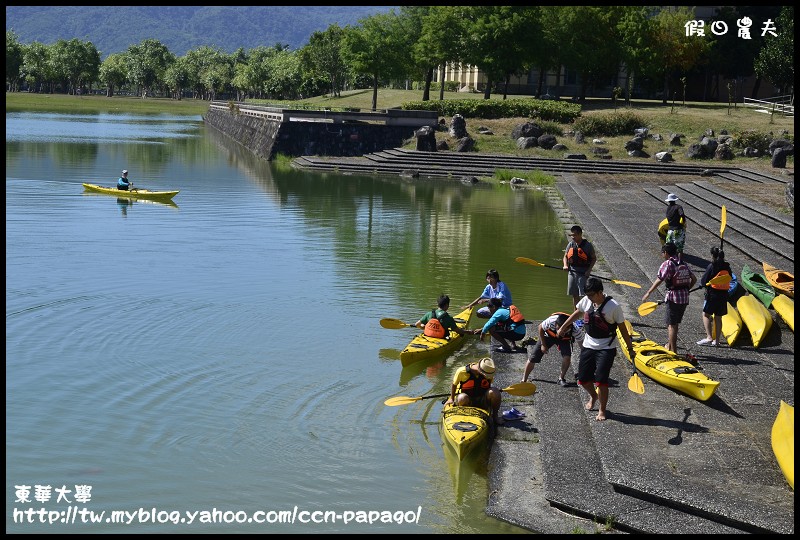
(502, 327)
(123, 184)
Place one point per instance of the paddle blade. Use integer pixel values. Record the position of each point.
(723, 221)
(635, 384)
(400, 400)
(724, 279)
(525, 260)
(394, 324)
(647, 308)
(627, 283)
(521, 389)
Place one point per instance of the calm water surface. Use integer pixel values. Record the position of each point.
(224, 352)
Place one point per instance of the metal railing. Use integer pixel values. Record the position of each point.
(780, 104)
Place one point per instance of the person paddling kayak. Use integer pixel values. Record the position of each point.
(123, 184)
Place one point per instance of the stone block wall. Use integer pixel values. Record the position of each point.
(267, 138)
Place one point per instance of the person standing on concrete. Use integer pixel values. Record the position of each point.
(601, 317)
(679, 278)
(676, 223)
(548, 339)
(494, 289)
(579, 258)
(716, 301)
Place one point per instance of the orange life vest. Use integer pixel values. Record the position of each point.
(562, 317)
(433, 328)
(576, 256)
(475, 385)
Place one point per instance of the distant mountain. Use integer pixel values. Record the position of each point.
(113, 29)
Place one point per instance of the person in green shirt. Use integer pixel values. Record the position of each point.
(438, 323)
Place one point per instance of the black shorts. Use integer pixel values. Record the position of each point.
(122, 188)
(716, 304)
(511, 335)
(674, 313)
(595, 365)
(564, 347)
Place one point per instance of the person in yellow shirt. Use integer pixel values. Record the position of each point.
(472, 387)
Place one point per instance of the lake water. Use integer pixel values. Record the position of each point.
(224, 353)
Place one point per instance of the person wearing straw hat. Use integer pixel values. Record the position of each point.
(676, 223)
(472, 387)
(123, 183)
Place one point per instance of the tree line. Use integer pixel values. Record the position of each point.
(390, 49)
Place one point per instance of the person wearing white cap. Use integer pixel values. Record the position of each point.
(123, 183)
(472, 386)
(676, 222)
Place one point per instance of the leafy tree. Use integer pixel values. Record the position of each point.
(210, 70)
(284, 75)
(775, 62)
(322, 59)
(76, 62)
(636, 30)
(13, 61)
(147, 62)
(677, 53)
(377, 48)
(36, 67)
(113, 72)
(441, 42)
(177, 77)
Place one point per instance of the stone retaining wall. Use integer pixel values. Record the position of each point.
(266, 137)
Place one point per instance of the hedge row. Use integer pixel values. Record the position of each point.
(563, 112)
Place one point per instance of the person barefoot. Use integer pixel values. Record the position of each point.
(601, 416)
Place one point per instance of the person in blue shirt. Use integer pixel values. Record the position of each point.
(495, 289)
(502, 326)
(123, 183)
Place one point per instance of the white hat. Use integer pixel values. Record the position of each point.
(125, 171)
(671, 198)
(486, 366)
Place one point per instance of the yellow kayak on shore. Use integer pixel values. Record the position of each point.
(731, 325)
(756, 318)
(783, 440)
(423, 347)
(784, 306)
(667, 368)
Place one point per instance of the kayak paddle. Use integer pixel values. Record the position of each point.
(526, 260)
(648, 307)
(516, 389)
(723, 222)
(394, 324)
(635, 383)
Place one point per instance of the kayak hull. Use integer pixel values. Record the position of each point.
(131, 194)
(465, 428)
(731, 325)
(423, 347)
(755, 317)
(784, 306)
(781, 281)
(669, 369)
(783, 441)
(758, 286)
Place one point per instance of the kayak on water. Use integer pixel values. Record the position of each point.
(464, 428)
(423, 347)
(135, 193)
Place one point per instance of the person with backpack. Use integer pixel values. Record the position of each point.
(601, 316)
(679, 278)
(438, 323)
(504, 325)
(676, 223)
(579, 258)
(548, 338)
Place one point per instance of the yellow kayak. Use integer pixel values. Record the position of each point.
(782, 281)
(464, 428)
(135, 193)
(423, 347)
(783, 440)
(668, 368)
(755, 316)
(663, 227)
(731, 325)
(785, 308)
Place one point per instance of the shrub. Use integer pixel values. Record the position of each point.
(561, 112)
(753, 139)
(609, 125)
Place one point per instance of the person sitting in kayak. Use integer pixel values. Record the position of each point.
(504, 325)
(472, 387)
(123, 184)
(438, 323)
